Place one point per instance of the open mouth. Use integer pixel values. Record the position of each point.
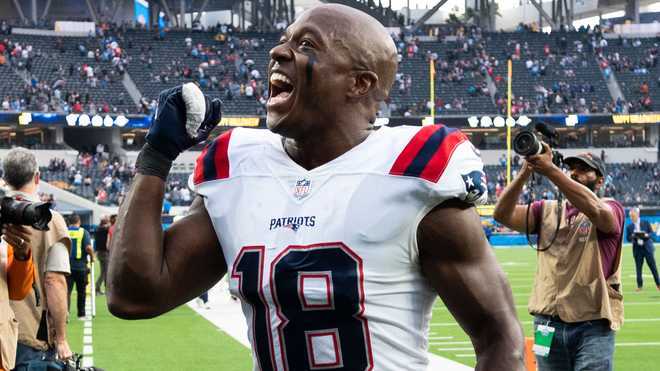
(281, 89)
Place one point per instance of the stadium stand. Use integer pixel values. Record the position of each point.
(555, 74)
(105, 179)
(635, 62)
(223, 65)
(67, 74)
(632, 184)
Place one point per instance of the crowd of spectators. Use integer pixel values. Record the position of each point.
(223, 67)
(105, 178)
(636, 183)
(643, 65)
(104, 64)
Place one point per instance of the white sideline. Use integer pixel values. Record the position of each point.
(88, 349)
(227, 315)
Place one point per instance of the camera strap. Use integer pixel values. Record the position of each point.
(529, 206)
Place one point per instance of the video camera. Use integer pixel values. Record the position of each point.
(15, 211)
(528, 142)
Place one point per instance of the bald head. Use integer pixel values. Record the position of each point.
(362, 39)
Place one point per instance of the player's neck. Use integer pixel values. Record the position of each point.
(312, 151)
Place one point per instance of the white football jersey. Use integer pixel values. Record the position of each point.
(325, 261)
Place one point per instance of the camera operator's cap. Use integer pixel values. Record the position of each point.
(590, 159)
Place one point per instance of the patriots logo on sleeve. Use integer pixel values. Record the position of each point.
(475, 185)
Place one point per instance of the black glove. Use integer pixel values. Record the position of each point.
(182, 120)
(184, 117)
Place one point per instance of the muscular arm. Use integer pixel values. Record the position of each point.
(151, 271)
(458, 262)
(56, 290)
(508, 212)
(597, 210)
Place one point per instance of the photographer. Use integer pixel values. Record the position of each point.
(42, 314)
(639, 233)
(576, 299)
(16, 278)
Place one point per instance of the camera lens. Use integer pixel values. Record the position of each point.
(525, 143)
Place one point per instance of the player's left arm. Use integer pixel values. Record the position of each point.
(458, 262)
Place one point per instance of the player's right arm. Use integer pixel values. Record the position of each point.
(508, 212)
(459, 263)
(152, 271)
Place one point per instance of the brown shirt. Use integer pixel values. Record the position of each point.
(569, 281)
(609, 244)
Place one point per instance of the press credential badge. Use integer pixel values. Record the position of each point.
(543, 339)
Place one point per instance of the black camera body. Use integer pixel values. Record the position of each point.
(528, 142)
(34, 214)
(640, 235)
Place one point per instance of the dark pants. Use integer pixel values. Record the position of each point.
(205, 297)
(579, 346)
(25, 354)
(79, 278)
(103, 261)
(640, 253)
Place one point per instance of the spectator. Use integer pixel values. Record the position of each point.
(52, 261)
(639, 232)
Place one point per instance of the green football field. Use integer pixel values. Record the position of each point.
(183, 340)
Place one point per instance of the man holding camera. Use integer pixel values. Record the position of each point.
(576, 300)
(639, 233)
(42, 314)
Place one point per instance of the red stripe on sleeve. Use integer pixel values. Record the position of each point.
(412, 149)
(198, 176)
(222, 155)
(438, 163)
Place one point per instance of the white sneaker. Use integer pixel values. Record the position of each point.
(199, 302)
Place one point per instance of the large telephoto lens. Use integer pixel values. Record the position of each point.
(35, 214)
(525, 143)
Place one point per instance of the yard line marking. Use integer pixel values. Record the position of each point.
(450, 343)
(440, 337)
(88, 350)
(448, 349)
(626, 320)
(466, 355)
(653, 344)
(625, 304)
(511, 263)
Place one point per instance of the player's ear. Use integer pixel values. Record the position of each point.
(363, 82)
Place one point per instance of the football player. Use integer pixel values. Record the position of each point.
(336, 237)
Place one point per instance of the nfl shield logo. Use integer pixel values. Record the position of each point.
(302, 188)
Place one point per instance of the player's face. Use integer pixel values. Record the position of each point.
(308, 74)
